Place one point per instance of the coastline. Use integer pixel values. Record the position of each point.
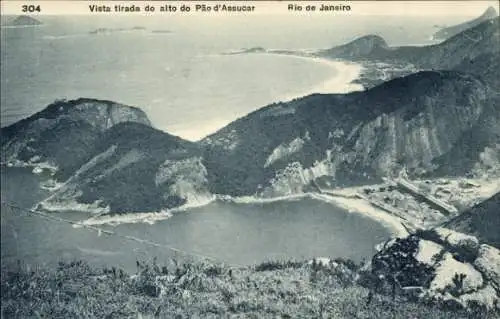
(342, 81)
(352, 72)
(360, 206)
(140, 217)
(345, 200)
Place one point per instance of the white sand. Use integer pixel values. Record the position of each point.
(128, 218)
(344, 73)
(356, 205)
(352, 205)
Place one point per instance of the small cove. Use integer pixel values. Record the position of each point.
(236, 233)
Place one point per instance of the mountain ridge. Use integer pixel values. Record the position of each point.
(469, 44)
(423, 123)
(346, 125)
(448, 32)
(125, 174)
(62, 134)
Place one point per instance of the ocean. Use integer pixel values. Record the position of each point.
(174, 69)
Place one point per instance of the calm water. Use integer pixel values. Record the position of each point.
(187, 88)
(180, 79)
(235, 233)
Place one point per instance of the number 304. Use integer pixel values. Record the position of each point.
(31, 8)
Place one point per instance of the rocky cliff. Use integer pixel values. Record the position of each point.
(107, 157)
(449, 32)
(440, 265)
(134, 168)
(61, 136)
(477, 151)
(352, 138)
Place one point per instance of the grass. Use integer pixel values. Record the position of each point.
(277, 289)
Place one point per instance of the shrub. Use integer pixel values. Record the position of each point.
(76, 289)
(277, 265)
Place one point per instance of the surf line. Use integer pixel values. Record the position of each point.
(100, 231)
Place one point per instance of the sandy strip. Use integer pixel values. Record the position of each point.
(127, 218)
(261, 200)
(341, 82)
(356, 205)
(344, 201)
(142, 217)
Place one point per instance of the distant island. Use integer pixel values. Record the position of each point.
(22, 21)
(161, 31)
(255, 50)
(111, 30)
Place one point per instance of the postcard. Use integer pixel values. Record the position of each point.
(250, 159)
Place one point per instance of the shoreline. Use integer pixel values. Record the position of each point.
(345, 200)
(140, 217)
(360, 206)
(342, 81)
(350, 204)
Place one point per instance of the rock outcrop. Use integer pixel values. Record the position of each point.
(61, 136)
(135, 168)
(442, 266)
(353, 138)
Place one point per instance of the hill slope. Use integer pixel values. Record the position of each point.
(351, 138)
(108, 158)
(469, 44)
(482, 221)
(449, 32)
(202, 290)
(134, 168)
(62, 135)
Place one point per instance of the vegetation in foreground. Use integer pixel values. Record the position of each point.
(198, 289)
